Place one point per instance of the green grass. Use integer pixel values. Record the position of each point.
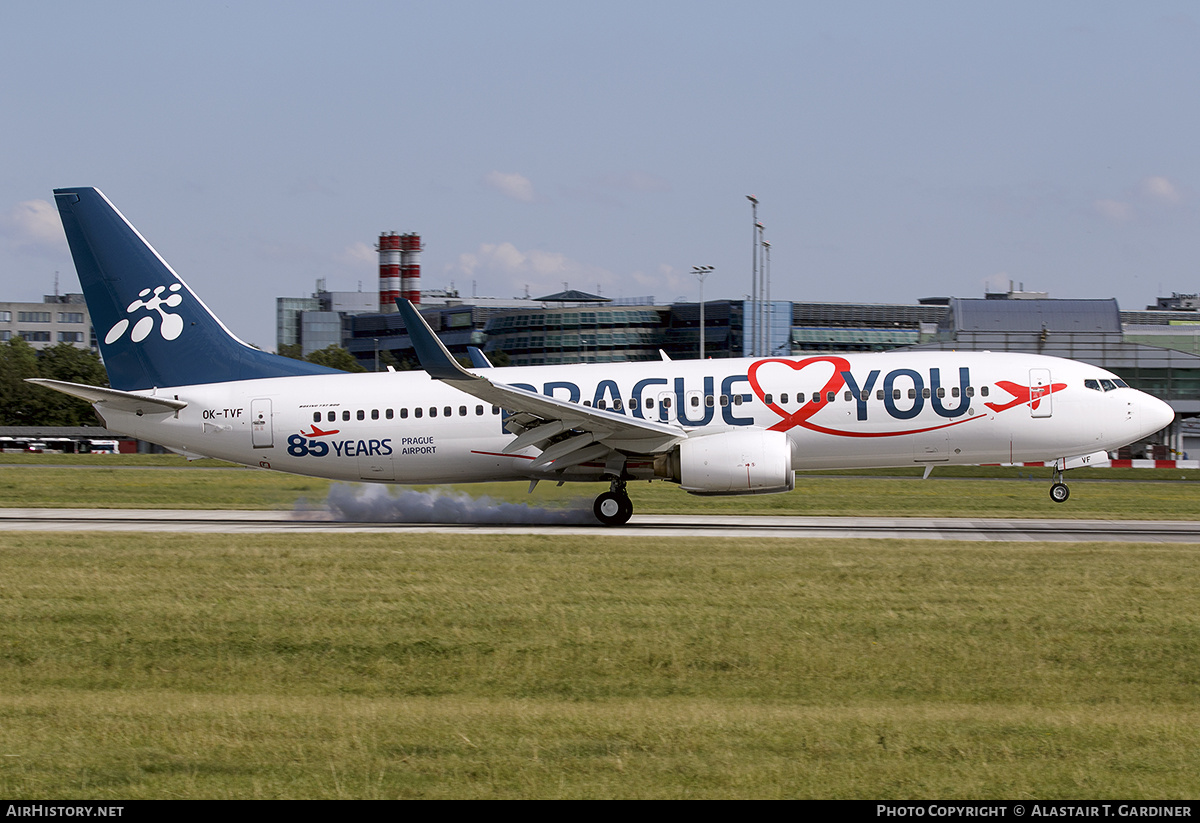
(1007, 493)
(108, 460)
(470, 666)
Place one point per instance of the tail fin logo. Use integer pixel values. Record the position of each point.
(172, 324)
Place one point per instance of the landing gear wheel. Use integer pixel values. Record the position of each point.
(612, 509)
(1059, 492)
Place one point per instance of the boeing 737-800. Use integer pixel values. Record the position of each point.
(180, 378)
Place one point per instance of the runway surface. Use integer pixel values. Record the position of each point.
(242, 522)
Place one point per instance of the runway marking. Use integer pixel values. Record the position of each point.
(909, 528)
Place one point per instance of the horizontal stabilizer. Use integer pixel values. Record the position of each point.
(122, 400)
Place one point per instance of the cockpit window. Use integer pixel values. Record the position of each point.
(1108, 385)
(1094, 385)
(1121, 383)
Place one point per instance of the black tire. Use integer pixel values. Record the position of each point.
(1059, 492)
(612, 509)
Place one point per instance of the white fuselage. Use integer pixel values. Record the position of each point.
(887, 409)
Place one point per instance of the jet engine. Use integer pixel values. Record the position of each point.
(734, 462)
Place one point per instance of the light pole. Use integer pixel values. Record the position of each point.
(702, 272)
(753, 277)
(376, 354)
(762, 296)
(767, 299)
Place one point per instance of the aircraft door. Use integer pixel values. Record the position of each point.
(260, 423)
(666, 407)
(1039, 393)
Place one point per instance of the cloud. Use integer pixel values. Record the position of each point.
(997, 283)
(359, 253)
(33, 223)
(511, 185)
(1150, 196)
(1114, 211)
(503, 266)
(1160, 189)
(503, 270)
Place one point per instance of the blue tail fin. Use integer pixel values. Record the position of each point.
(153, 329)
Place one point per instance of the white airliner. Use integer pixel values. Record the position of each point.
(716, 427)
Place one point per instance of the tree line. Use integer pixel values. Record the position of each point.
(25, 404)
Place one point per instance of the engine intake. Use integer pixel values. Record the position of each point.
(736, 462)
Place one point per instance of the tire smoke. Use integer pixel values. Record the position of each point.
(368, 503)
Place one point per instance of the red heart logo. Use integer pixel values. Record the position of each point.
(792, 419)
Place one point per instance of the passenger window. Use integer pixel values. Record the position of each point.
(418, 411)
(447, 412)
(388, 414)
(587, 403)
(983, 391)
(925, 393)
(332, 416)
(695, 401)
(602, 404)
(495, 409)
(433, 411)
(649, 402)
(462, 411)
(866, 395)
(724, 400)
(941, 392)
(954, 392)
(912, 394)
(316, 417)
(404, 414)
(783, 398)
(970, 391)
(816, 398)
(738, 399)
(895, 394)
(879, 394)
(617, 404)
(666, 403)
(848, 395)
(708, 400)
(831, 396)
(362, 415)
(346, 414)
(767, 399)
(374, 414)
(479, 411)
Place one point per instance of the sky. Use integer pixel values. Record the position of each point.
(897, 150)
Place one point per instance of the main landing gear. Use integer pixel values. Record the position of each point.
(1059, 491)
(613, 507)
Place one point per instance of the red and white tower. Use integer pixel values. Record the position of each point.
(410, 268)
(389, 271)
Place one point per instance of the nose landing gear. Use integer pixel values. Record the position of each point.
(613, 507)
(1059, 491)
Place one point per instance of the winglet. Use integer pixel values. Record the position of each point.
(479, 360)
(435, 358)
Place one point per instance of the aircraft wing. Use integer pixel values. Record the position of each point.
(536, 418)
(123, 400)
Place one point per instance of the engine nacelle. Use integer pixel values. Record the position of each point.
(735, 462)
